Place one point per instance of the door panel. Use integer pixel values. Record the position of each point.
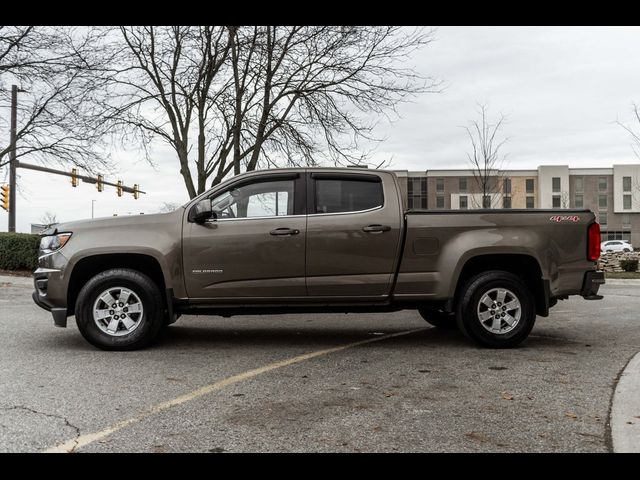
(352, 253)
(241, 258)
(256, 245)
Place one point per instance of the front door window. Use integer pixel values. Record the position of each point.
(264, 199)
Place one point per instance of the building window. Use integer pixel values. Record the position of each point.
(464, 202)
(439, 184)
(417, 203)
(602, 218)
(530, 202)
(626, 220)
(602, 202)
(626, 202)
(440, 201)
(555, 184)
(626, 184)
(602, 184)
(555, 201)
(624, 235)
(578, 201)
(507, 185)
(529, 185)
(506, 202)
(463, 184)
(417, 192)
(486, 201)
(579, 184)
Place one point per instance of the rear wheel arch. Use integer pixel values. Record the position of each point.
(525, 266)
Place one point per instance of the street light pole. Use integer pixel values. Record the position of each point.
(92, 202)
(12, 159)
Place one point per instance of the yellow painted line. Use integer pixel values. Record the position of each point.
(83, 440)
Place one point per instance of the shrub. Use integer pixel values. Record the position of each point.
(18, 251)
(629, 265)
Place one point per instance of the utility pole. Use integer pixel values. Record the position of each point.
(12, 159)
(92, 202)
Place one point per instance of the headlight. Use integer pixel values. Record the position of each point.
(52, 243)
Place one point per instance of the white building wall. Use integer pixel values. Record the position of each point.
(620, 171)
(545, 188)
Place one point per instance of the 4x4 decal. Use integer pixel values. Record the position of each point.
(565, 218)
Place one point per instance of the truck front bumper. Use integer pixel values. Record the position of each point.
(41, 296)
(591, 285)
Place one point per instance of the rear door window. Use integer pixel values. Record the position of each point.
(346, 195)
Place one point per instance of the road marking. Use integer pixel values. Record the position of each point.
(83, 440)
(625, 410)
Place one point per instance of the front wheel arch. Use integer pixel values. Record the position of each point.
(90, 266)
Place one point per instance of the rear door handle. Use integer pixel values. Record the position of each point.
(285, 231)
(376, 228)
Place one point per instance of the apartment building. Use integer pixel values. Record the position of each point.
(612, 193)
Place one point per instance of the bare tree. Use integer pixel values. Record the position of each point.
(635, 135)
(565, 199)
(56, 111)
(162, 83)
(635, 145)
(231, 99)
(486, 158)
(49, 219)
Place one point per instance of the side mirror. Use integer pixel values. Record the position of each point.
(203, 211)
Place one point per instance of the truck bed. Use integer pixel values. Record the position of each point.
(438, 243)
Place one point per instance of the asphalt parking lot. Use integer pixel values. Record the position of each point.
(243, 383)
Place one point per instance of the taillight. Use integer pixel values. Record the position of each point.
(593, 242)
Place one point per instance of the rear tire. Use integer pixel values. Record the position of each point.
(135, 318)
(496, 310)
(438, 318)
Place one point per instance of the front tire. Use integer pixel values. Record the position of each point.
(496, 310)
(120, 309)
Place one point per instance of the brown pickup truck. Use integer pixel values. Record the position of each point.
(316, 240)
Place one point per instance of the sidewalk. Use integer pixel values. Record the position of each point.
(622, 281)
(625, 410)
(15, 280)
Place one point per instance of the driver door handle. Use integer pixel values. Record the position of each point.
(376, 228)
(284, 231)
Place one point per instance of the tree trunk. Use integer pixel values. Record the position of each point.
(184, 169)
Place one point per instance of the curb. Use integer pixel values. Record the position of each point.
(625, 410)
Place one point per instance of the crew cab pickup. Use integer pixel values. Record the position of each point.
(316, 240)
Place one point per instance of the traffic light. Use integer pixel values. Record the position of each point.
(99, 184)
(5, 197)
(119, 188)
(74, 177)
(135, 191)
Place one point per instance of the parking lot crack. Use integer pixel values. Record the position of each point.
(50, 415)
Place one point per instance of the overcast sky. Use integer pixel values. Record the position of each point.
(561, 88)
